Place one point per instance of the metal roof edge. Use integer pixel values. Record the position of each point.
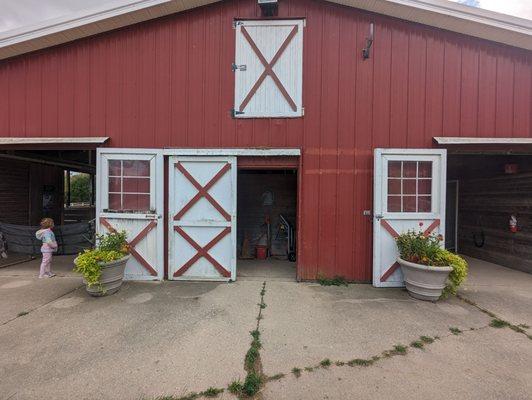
(506, 29)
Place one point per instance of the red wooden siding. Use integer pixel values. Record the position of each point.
(168, 82)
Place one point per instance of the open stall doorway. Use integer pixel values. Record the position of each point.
(266, 223)
(489, 199)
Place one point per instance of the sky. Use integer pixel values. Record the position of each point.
(19, 13)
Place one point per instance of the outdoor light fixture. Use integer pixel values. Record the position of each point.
(268, 7)
(369, 42)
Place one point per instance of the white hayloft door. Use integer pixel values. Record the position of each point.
(269, 68)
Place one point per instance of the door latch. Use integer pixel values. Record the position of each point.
(378, 217)
(242, 67)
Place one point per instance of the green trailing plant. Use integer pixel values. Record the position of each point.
(236, 387)
(110, 247)
(424, 249)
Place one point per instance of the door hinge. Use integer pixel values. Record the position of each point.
(242, 67)
(237, 23)
(302, 111)
(234, 112)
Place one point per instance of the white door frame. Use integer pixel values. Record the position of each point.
(156, 187)
(379, 190)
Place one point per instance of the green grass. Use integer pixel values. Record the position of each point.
(455, 331)
(360, 362)
(252, 384)
(334, 281)
(498, 323)
(399, 349)
(251, 356)
(276, 377)
(212, 392)
(235, 387)
(325, 363)
(418, 344)
(426, 339)
(296, 371)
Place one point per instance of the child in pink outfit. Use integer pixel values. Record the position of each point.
(49, 246)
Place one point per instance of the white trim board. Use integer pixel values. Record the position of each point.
(233, 152)
(52, 140)
(480, 140)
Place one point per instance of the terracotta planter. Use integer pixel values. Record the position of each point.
(424, 282)
(111, 278)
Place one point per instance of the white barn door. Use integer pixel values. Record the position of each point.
(409, 194)
(269, 68)
(130, 197)
(202, 218)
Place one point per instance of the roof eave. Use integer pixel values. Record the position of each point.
(442, 14)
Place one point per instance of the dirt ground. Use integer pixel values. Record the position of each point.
(172, 339)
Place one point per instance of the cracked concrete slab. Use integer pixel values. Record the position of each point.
(486, 364)
(149, 339)
(306, 323)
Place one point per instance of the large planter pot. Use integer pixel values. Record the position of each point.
(111, 278)
(424, 282)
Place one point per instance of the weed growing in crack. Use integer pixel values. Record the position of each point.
(455, 331)
(251, 356)
(524, 326)
(296, 371)
(498, 323)
(325, 363)
(426, 339)
(360, 362)
(399, 349)
(262, 305)
(309, 369)
(418, 344)
(276, 377)
(252, 384)
(339, 363)
(212, 392)
(235, 387)
(22, 313)
(334, 281)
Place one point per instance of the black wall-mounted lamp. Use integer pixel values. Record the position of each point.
(369, 42)
(268, 7)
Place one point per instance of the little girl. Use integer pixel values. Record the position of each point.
(49, 246)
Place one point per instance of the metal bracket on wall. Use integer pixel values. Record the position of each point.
(234, 112)
(242, 67)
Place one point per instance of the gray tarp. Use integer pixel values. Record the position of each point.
(71, 238)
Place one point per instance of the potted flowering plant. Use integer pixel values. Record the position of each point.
(103, 267)
(430, 272)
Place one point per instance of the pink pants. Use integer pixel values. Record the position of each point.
(46, 264)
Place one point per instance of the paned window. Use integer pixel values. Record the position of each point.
(409, 186)
(129, 185)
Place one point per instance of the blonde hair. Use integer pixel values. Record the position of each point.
(47, 223)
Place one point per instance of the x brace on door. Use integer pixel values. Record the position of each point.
(141, 235)
(203, 191)
(268, 68)
(203, 252)
(394, 234)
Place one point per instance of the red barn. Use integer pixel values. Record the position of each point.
(302, 129)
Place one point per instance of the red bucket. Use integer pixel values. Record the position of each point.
(261, 252)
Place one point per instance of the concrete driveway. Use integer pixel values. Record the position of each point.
(155, 339)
